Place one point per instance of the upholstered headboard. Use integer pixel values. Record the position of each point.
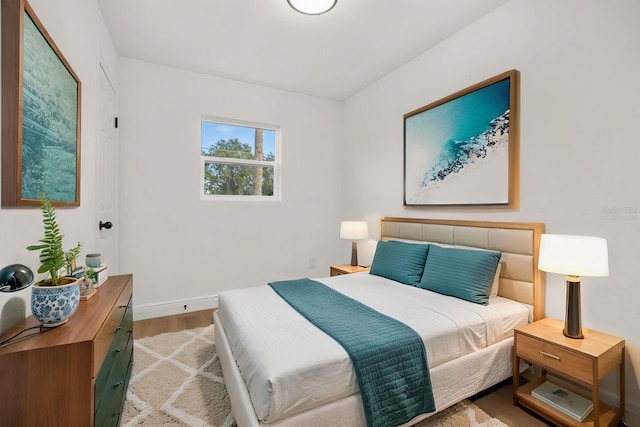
(519, 243)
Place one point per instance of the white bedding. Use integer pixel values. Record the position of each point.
(288, 373)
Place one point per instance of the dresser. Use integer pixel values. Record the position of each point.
(76, 374)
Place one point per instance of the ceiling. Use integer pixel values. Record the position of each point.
(266, 42)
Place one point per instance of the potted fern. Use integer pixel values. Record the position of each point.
(56, 298)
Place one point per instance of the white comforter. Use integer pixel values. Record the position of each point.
(290, 366)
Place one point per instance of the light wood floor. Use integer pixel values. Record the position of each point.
(497, 401)
(179, 322)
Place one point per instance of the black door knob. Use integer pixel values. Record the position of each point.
(106, 225)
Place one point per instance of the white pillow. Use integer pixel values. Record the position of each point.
(496, 282)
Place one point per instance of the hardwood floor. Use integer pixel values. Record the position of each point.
(178, 322)
(497, 401)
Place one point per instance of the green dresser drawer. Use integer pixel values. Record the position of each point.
(109, 411)
(127, 354)
(112, 380)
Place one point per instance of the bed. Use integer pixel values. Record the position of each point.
(281, 370)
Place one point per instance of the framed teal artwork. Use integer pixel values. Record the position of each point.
(463, 150)
(41, 98)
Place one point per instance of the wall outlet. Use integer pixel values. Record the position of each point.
(312, 263)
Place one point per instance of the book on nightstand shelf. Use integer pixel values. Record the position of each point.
(567, 402)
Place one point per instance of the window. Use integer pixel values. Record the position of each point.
(240, 160)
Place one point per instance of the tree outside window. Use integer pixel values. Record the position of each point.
(239, 161)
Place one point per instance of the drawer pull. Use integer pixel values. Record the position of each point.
(553, 356)
(118, 384)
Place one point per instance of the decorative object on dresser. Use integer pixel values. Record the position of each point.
(15, 277)
(354, 230)
(55, 299)
(70, 257)
(92, 260)
(464, 149)
(576, 366)
(54, 305)
(574, 256)
(87, 288)
(98, 275)
(81, 368)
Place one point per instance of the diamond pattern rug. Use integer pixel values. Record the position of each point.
(177, 381)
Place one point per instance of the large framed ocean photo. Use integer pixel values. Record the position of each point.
(41, 96)
(464, 149)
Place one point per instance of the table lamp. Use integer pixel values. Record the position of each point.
(574, 256)
(354, 230)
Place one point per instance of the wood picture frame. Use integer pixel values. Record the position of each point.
(41, 99)
(463, 150)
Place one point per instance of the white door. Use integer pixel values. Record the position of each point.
(107, 176)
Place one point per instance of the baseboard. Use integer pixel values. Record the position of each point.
(631, 411)
(170, 308)
(632, 415)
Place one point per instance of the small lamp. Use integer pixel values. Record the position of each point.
(354, 230)
(312, 7)
(15, 277)
(574, 256)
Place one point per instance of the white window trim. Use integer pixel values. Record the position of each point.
(277, 184)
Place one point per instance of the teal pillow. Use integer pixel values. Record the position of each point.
(462, 273)
(400, 261)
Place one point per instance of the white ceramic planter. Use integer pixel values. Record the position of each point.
(53, 305)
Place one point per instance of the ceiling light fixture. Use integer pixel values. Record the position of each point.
(312, 7)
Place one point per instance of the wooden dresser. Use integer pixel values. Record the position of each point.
(76, 374)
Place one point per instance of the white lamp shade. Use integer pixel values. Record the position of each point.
(354, 230)
(312, 7)
(574, 255)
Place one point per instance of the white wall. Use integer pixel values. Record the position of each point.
(78, 29)
(181, 248)
(579, 62)
(580, 139)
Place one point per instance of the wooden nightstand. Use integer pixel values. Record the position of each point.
(337, 270)
(577, 365)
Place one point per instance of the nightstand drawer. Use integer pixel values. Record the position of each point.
(555, 358)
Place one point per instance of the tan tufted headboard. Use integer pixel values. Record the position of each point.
(519, 242)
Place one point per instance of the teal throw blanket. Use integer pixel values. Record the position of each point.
(388, 356)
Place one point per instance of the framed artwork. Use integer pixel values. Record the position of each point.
(464, 149)
(41, 97)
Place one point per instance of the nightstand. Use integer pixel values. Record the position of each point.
(337, 270)
(577, 365)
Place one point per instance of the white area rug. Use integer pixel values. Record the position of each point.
(177, 381)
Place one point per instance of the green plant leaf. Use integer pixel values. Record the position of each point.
(52, 258)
